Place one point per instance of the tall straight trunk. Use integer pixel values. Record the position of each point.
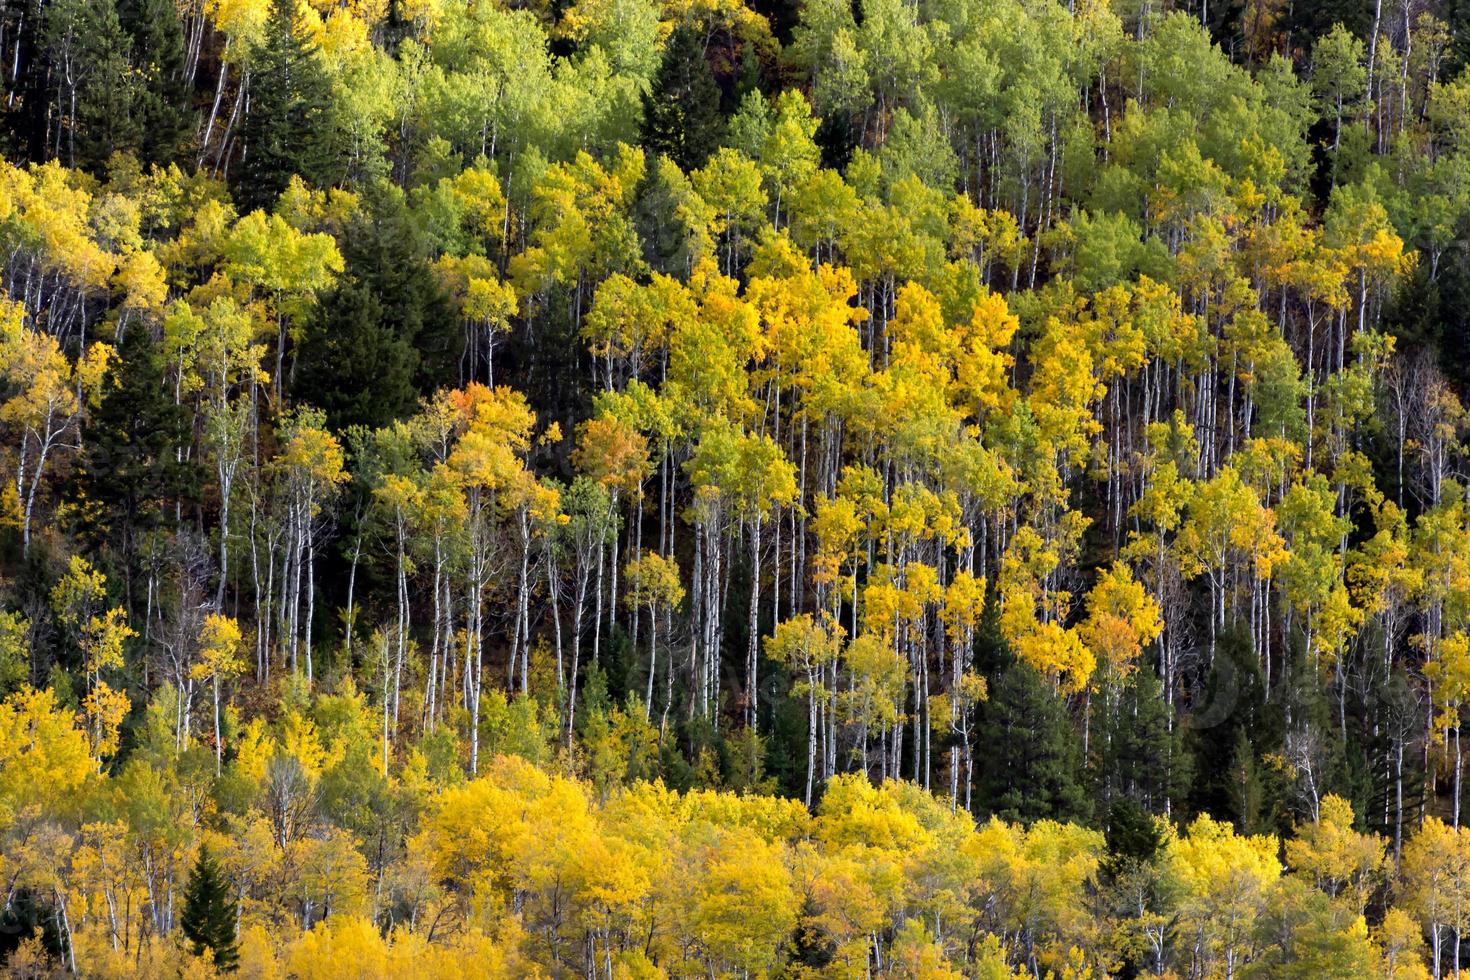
(597, 608)
(387, 662)
(400, 582)
(352, 596)
(652, 665)
(472, 673)
(474, 638)
(310, 603)
(753, 644)
(811, 733)
(1398, 794)
(226, 479)
(697, 651)
(553, 588)
(612, 594)
(1459, 772)
(523, 603)
(218, 754)
(584, 575)
(208, 132)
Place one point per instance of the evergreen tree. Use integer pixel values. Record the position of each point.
(1033, 769)
(1136, 754)
(386, 251)
(1132, 836)
(681, 111)
(209, 915)
(1458, 12)
(134, 471)
(1134, 889)
(291, 125)
(161, 103)
(88, 52)
(1452, 309)
(352, 364)
(1245, 787)
(387, 333)
(1227, 783)
(26, 129)
(1306, 23)
(666, 244)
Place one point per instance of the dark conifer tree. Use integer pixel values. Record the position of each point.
(386, 334)
(681, 111)
(209, 915)
(1227, 783)
(161, 104)
(1033, 769)
(135, 472)
(1132, 887)
(1132, 836)
(1136, 755)
(386, 251)
(290, 127)
(352, 364)
(87, 55)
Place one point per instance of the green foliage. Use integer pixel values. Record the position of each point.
(410, 412)
(208, 918)
(681, 111)
(15, 667)
(292, 127)
(86, 42)
(134, 469)
(1033, 770)
(160, 98)
(383, 335)
(352, 364)
(1139, 756)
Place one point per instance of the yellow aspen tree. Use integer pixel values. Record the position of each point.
(219, 662)
(100, 633)
(808, 645)
(654, 582)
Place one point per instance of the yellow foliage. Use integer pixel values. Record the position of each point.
(45, 759)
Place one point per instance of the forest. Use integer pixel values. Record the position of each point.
(696, 488)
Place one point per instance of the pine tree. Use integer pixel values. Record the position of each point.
(1136, 754)
(386, 251)
(681, 111)
(1244, 785)
(134, 471)
(1232, 704)
(89, 50)
(161, 100)
(1132, 836)
(386, 334)
(1034, 757)
(209, 915)
(352, 364)
(1134, 888)
(291, 125)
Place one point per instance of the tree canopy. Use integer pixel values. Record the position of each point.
(709, 489)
